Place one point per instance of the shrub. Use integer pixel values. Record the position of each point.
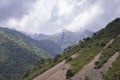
(69, 74)
(68, 59)
(102, 44)
(86, 78)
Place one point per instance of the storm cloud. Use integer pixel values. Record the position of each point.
(53, 16)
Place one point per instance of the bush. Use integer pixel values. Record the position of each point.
(86, 78)
(69, 74)
(86, 39)
(102, 44)
(97, 62)
(82, 46)
(68, 59)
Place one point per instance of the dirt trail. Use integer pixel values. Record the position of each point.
(109, 63)
(110, 42)
(95, 74)
(86, 70)
(74, 56)
(58, 72)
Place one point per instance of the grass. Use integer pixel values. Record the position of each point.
(3, 58)
(114, 72)
(107, 53)
(85, 56)
(88, 52)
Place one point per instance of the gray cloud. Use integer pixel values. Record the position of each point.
(13, 8)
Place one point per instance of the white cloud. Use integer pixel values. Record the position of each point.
(65, 7)
(38, 16)
(52, 16)
(84, 18)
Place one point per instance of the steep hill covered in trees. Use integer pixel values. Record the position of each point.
(17, 55)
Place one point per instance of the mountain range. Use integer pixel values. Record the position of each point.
(56, 43)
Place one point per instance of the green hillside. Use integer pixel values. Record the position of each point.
(87, 49)
(114, 72)
(17, 55)
(90, 47)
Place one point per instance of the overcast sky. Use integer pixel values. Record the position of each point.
(52, 16)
